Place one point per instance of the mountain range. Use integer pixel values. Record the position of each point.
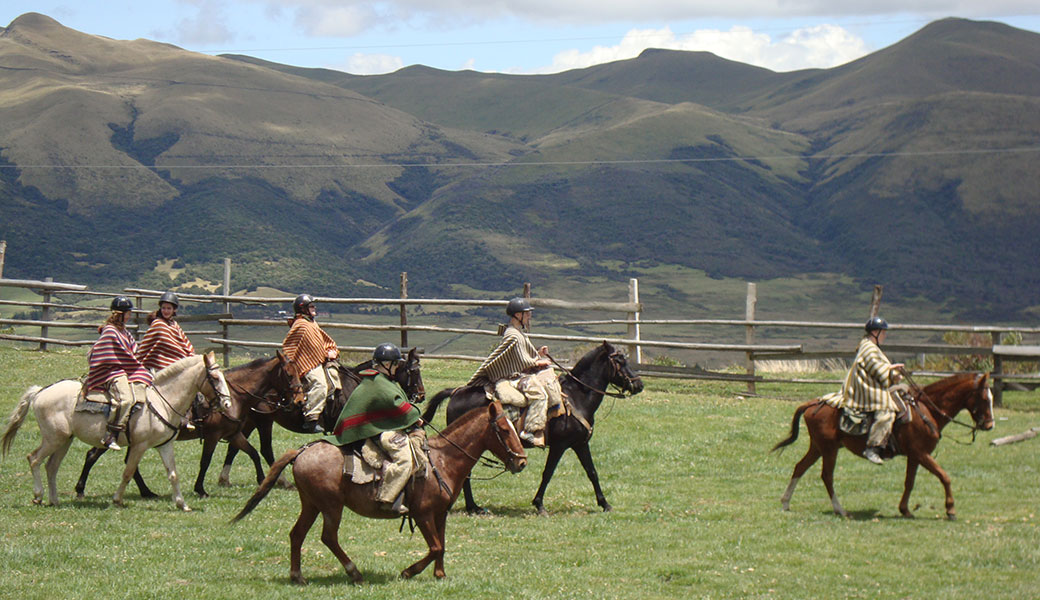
(914, 166)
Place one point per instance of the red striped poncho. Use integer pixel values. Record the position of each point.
(306, 346)
(164, 344)
(112, 355)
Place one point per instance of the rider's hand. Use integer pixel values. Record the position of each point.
(543, 351)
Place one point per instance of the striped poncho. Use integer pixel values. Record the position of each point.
(164, 344)
(866, 386)
(515, 354)
(306, 346)
(112, 355)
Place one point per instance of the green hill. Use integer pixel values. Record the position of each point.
(913, 167)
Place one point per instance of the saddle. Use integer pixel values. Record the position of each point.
(507, 392)
(94, 402)
(364, 460)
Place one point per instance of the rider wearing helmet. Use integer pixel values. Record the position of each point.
(516, 358)
(165, 342)
(867, 387)
(311, 354)
(379, 408)
(115, 369)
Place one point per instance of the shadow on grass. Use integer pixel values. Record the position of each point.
(525, 511)
(343, 580)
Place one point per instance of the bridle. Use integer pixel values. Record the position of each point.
(615, 358)
(923, 397)
(494, 463)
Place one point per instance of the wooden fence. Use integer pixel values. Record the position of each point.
(750, 351)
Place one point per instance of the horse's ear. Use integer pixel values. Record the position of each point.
(983, 380)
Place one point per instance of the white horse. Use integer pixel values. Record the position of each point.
(155, 425)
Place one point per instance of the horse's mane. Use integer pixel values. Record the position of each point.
(471, 415)
(251, 365)
(943, 386)
(172, 371)
(585, 363)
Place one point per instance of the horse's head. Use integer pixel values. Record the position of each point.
(287, 383)
(409, 377)
(509, 449)
(620, 374)
(218, 387)
(980, 404)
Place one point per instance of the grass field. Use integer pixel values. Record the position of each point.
(685, 465)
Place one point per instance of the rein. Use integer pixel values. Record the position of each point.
(620, 394)
(493, 463)
(931, 405)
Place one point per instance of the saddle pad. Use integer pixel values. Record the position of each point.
(95, 402)
(358, 469)
(854, 422)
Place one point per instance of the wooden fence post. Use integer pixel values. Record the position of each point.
(635, 352)
(137, 317)
(749, 332)
(997, 384)
(875, 302)
(3, 252)
(227, 310)
(45, 314)
(404, 310)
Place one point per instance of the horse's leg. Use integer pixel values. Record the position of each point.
(432, 528)
(929, 463)
(555, 454)
(52, 470)
(471, 505)
(908, 486)
(263, 430)
(330, 537)
(88, 463)
(209, 445)
(585, 456)
(133, 458)
(308, 512)
(830, 458)
(46, 448)
(810, 458)
(166, 453)
(240, 442)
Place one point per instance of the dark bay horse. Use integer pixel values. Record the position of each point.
(584, 388)
(936, 405)
(257, 381)
(318, 471)
(264, 414)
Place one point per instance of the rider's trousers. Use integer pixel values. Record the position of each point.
(395, 474)
(881, 428)
(321, 381)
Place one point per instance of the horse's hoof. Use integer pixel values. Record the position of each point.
(185, 508)
(201, 494)
(222, 482)
(149, 495)
(951, 517)
(542, 512)
(297, 580)
(607, 508)
(37, 501)
(478, 511)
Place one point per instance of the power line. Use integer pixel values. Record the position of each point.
(554, 163)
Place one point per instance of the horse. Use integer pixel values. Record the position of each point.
(934, 407)
(264, 414)
(324, 489)
(584, 387)
(154, 426)
(250, 383)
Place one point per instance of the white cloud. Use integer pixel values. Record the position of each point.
(207, 26)
(372, 64)
(335, 21)
(819, 46)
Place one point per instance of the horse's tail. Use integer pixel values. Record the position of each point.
(272, 476)
(794, 427)
(433, 403)
(17, 416)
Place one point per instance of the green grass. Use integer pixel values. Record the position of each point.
(685, 465)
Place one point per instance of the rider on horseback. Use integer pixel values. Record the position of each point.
(311, 354)
(115, 369)
(867, 387)
(165, 342)
(379, 408)
(516, 357)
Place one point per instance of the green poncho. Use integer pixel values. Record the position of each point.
(376, 405)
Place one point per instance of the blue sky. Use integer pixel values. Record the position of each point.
(520, 36)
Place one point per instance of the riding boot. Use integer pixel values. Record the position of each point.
(871, 454)
(397, 506)
(111, 436)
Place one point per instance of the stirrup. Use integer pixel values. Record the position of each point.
(109, 441)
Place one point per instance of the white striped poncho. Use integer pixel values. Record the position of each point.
(515, 354)
(112, 355)
(163, 344)
(866, 386)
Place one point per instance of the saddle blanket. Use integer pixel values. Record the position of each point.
(366, 465)
(96, 402)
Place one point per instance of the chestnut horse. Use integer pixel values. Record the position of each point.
(251, 383)
(934, 407)
(266, 413)
(323, 488)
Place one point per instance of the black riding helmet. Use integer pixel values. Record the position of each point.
(875, 324)
(301, 303)
(386, 352)
(169, 298)
(122, 304)
(517, 305)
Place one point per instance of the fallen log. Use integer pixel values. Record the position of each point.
(1018, 437)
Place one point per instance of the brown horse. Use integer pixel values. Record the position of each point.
(262, 380)
(318, 471)
(934, 407)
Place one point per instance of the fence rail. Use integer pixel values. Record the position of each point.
(752, 349)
